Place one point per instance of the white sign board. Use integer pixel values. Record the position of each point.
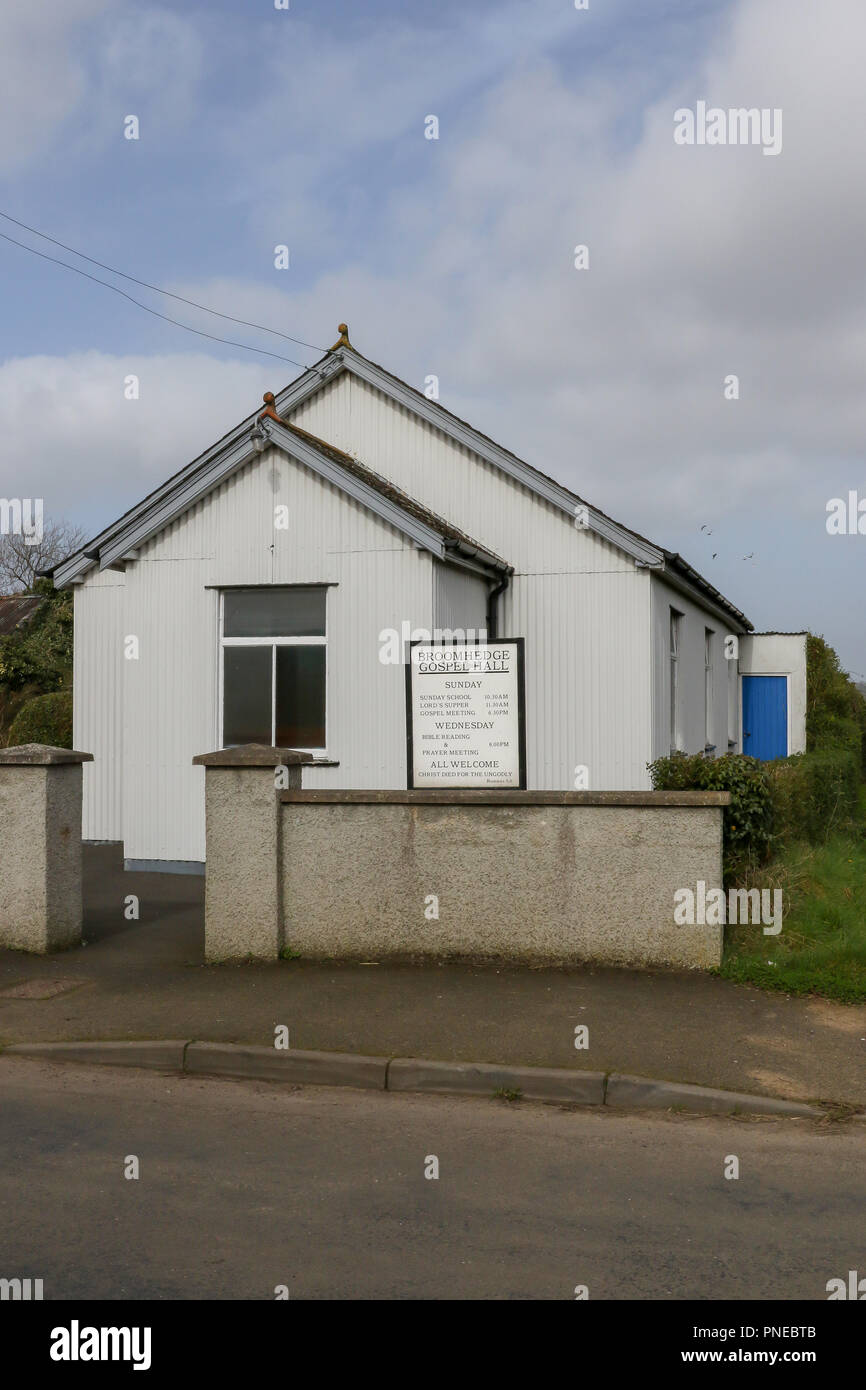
(465, 715)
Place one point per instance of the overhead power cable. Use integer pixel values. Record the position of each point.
(214, 338)
(245, 323)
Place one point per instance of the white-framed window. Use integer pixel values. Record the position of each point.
(708, 687)
(674, 648)
(273, 666)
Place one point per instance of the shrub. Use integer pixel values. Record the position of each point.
(814, 793)
(44, 719)
(748, 820)
(835, 708)
(11, 702)
(40, 653)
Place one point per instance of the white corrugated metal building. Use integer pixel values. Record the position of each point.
(370, 507)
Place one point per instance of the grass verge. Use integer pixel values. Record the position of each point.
(821, 948)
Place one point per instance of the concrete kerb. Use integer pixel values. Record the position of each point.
(549, 1085)
(156, 1056)
(643, 1093)
(554, 1085)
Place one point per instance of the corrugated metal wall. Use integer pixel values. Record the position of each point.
(459, 600)
(595, 625)
(379, 580)
(581, 604)
(513, 522)
(690, 678)
(97, 701)
(587, 677)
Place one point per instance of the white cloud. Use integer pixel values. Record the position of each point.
(70, 73)
(704, 262)
(42, 78)
(72, 438)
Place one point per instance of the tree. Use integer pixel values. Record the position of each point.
(39, 655)
(20, 562)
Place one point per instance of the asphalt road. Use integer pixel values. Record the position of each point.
(243, 1187)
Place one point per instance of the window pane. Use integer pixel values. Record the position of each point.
(246, 695)
(301, 697)
(274, 612)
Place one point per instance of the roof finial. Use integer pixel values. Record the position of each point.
(343, 340)
(270, 407)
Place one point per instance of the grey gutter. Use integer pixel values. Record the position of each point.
(727, 613)
(676, 565)
(475, 559)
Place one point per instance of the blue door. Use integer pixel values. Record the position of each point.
(765, 717)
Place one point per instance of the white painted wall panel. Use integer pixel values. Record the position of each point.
(581, 603)
(97, 701)
(691, 673)
(780, 654)
(587, 677)
(171, 693)
(492, 508)
(459, 599)
(595, 625)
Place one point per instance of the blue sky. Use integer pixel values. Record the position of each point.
(261, 127)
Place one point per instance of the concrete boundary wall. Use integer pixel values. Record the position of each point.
(546, 877)
(242, 871)
(554, 877)
(40, 847)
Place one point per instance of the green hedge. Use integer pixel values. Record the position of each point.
(835, 708)
(40, 653)
(814, 793)
(748, 821)
(44, 719)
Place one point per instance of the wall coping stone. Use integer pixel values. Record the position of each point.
(496, 796)
(41, 755)
(253, 755)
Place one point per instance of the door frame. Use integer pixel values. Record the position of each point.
(783, 675)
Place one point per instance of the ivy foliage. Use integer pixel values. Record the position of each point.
(40, 653)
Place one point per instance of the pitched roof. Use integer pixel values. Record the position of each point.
(424, 527)
(614, 531)
(401, 499)
(16, 610)
(226, 454)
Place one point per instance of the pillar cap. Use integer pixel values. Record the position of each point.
(41, 755)
(253, 755)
